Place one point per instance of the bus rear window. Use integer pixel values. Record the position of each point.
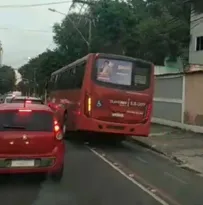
(120, 73)
(140, 76)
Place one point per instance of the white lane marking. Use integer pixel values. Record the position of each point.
(141, 160)
(176, 178)
(158, 134)
(157, 198)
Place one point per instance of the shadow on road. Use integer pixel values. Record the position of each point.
(19, 189)
(21, 179)
(98, 141)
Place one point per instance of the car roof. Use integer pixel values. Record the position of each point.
(16, 106)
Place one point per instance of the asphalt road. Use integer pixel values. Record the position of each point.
(97, 174)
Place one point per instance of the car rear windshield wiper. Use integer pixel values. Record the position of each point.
(13, 127)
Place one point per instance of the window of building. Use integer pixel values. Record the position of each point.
(199, 43)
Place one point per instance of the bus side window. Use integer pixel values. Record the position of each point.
(72, 78)
(52, 83)
(56, 82)
(80, 72)
(49, 86)
(65, 80)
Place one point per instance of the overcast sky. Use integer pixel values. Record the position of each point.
(19, 44)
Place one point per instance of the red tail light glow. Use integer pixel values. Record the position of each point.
(28, 101)
(25, 110)
(88, 105)
(56, 128)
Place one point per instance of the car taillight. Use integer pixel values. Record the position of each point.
(88, 105)
(148, 112)
(28, 101)
(57, 130)
(25, 110)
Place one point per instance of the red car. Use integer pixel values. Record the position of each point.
(31, 140)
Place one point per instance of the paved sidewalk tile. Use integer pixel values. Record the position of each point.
(183, 146)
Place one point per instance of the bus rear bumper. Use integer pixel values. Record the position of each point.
(93, 125)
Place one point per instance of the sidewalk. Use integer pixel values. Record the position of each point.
(183, 146)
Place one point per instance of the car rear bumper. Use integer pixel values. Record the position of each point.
(44, 163)
(89, 124)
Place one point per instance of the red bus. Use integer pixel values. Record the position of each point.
(104, 93)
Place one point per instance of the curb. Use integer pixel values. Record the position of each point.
(180, 162)
(143, 144)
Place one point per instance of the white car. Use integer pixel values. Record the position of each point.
(7, 99)
(26, 99)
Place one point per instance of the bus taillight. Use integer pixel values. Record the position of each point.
(88, 105)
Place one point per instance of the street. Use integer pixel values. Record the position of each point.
(101, 174)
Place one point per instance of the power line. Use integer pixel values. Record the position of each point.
(27, 30)
(32, 5)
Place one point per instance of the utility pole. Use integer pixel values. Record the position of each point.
(87, 2)
(1, 54)
(74, 25)
(34, 80)
(90, 34)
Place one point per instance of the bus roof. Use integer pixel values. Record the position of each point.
(120, 57)
(70, 65)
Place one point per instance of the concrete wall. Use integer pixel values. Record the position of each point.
(178, 101)
(168, 98)
(194, 99)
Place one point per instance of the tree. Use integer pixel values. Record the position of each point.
(68, 40)
(147, 29)
(7, 79)
(150, 29)
(38, 70)
(22, 86)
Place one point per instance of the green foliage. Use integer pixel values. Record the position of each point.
(7, 79)
(148, 29)
(37, 70)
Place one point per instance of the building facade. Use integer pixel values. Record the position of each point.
(196, 39)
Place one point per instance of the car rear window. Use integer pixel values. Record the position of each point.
(28, 121)
(23, 100)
